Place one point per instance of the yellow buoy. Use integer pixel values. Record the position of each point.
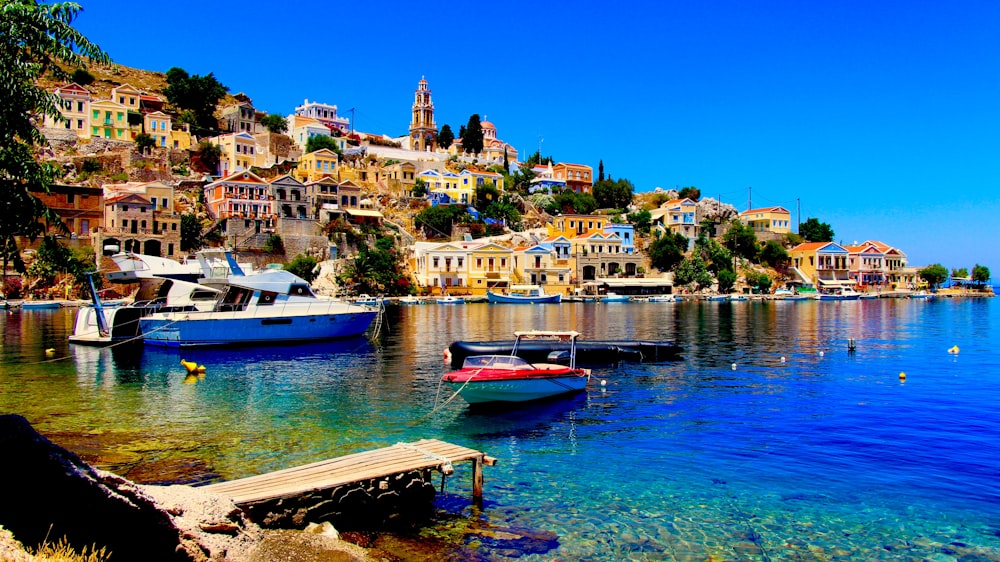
(953, 350)
(201, 369)
(190, 379)
(902, 376)
(191, 366)
(50, 351)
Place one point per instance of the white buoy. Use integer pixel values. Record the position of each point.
(821, 354)
(782, 358)
(604, 382)
(734, 366)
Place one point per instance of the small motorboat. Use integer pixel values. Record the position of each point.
(662, 298)
(450, 299)
(615, 297)
(524, 294)
(509, 378)
(410, 299)
(40, 305)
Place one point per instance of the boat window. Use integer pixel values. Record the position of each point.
(203, 295)
(300, 290)
(267, 298)
(236, 298)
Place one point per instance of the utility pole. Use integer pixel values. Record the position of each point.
(798, 215)
(749, 198)
(352, 119)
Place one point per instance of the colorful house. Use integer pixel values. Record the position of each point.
(439, 267)
(140, 217)
(126, 95)
(574, 226)
(474, 179)
(866, 265)
(494, 149)
(451, 184)
(824, 264)
(625, 232)
(542, 265)
(326, 114)
(776, 220)
(241, 117)
(74, 105)
(679, 216)
(239, 195)
(301, 129)
(180, 139)
(545, 180)
(317, 164)
(898, 273)
(599, 255)
(290, 198)
(158, 125)
(109, 120)
(578, 177)
(490, 265)
(238, 152)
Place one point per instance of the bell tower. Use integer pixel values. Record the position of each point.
(423, 131)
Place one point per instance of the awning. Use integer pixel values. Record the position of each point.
(363, 213)
(837, 282)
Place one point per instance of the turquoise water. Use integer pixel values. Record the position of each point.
(826, 455)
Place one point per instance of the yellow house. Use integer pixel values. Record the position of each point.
(158, 126)
(180, 139)
(451, 184)
(477, 179)
(317, 164)
(126, 95)
(573, 226)
(677, 215)
(238, 150)
(824, 264)
(74, 105)
(109, 120)
(440, 267)
(768, 219)
(489, 265)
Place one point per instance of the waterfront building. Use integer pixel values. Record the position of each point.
(316, 165)
(81, 208)
(490, 265)
(239, 195)
(824, 264)
(74, 104)
(898, 274)
(774, 220)
(290, 199)
(450, 184)
(109, 120)
(542, 265)
(437, 267)
(578, 177)
(866, 265)
(599, 255)
(324, 113)
(140, 217)
(423, 130)
(159, 126)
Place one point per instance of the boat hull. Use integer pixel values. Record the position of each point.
(222, 328)
(122, 321)
(520, 390)
(589, 352)
(523, 299)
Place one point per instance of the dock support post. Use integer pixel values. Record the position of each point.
(477, 480)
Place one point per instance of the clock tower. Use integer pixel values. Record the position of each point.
(423, 131)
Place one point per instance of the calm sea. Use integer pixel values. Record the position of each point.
(767, 441)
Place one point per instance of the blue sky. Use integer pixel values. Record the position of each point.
(879, 118)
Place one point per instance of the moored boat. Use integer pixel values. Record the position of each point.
(274, 306)
(588, 352)
(523, 294)
(450, 299)
(40, 305)
(510, 378)
(662, 298)
(839, 294)
(615, 297)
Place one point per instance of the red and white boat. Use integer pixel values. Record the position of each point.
(509, 378)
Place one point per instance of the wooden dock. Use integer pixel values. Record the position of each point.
(355, 468)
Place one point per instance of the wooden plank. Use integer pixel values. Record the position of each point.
(348, 469)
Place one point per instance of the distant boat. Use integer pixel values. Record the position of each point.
(662, 298)
(840, 294)
(615, 297)
(735, 297)
(921, 295)
(509, 378)
(450, 299)
(410, 299)
(717, 298)
(523, 294)
(40, 305)
(368, 300)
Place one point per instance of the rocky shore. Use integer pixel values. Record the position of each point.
(52, 494)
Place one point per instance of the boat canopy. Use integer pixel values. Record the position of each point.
(276, 281)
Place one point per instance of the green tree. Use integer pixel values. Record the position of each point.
(320, 142)
(980, 274)
(198, 94)
(934, 274)
(303, 266)
(436, 221)
(275, 123)
(774, 254)
(503, 208)
(210, 155)
(815, 231)
(613, 194)
(472, 140)
(668, 251)
(760, 282)
(642, 220)
(726, 279)
(600, 171)
(520, 180)
(570, 202)
(960, 272)
(419, 188)
(690, 192)
(485, 195)
(274, 245)
(692, 271)
(36, 40)
(717, 257)
(82, 77)
(446, 137)
(190, 232)
(741, 240)
(144, 141)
